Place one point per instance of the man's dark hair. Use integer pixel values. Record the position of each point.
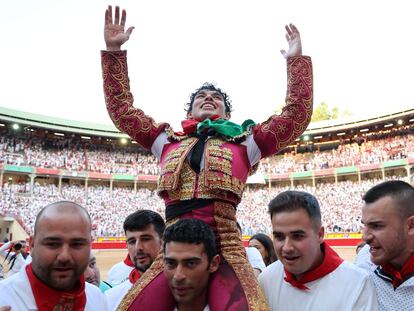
(401, 192)
(289, 201)
(210, 87)
(141, 219)
(267, 243)
(192, 231)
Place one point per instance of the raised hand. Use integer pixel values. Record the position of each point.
(114, 31)
(295, 44)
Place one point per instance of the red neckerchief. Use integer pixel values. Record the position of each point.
(190, 125)
(48, 299)
(128, 261)
(330, 262)
(400, 275)
(134, 276)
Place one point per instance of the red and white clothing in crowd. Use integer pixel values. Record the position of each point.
(24, 291)
(119, 272)
(16, 261)
(345, 288)
(115, 295)
(395, 289)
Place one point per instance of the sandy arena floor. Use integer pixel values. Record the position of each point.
(107, 258)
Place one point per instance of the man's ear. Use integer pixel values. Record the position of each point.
(189, 115)
(31, 241)
(227, 116)
(214, 264)
(410, 223)
(321, 234)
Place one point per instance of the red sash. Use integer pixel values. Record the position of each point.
(134, 276)
(400, 275)
(50, 299)
(128, 261)
(330, 262)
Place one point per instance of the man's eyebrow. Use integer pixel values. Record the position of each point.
(57, 239)
(192, 258)
(185, 259)
(146, 236)
(373, 222)
(297, 231)
(52, 238)
(78, 239)
(290, 232)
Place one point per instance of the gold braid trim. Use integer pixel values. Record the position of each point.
(156, 268)
(234, 253)
(171, 134)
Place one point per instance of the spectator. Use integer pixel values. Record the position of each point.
(14, 254)
(388, 217)
(190, 258)
(93, 274)
(60, 251)
(265, 246)
(143, 230)
(309, 274)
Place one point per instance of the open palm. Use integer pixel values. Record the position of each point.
(114, 30)
(294, 41)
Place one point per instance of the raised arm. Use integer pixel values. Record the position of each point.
(118, 98)
(281, 130)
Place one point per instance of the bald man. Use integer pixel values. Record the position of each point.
(61, 245)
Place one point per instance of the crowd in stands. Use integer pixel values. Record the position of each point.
(74, 156)
(63, 154)
(362, 152)
(340, 204)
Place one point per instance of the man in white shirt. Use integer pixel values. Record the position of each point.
(93, 274)
(309, 274)
(12, 253)
(388, 218)
(120, 271)
(190, 258)
(143, 230)
(60, 250)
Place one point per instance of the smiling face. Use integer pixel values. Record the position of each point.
(143, 246)
(208, 103)
(386, 232)
(187, 270)
(297, 241)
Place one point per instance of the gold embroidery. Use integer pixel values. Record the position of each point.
(233, 252)
(170, 175)
(149, 275)
(231, 249)
(285, 128)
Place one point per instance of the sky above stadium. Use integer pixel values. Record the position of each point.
(362, 53)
